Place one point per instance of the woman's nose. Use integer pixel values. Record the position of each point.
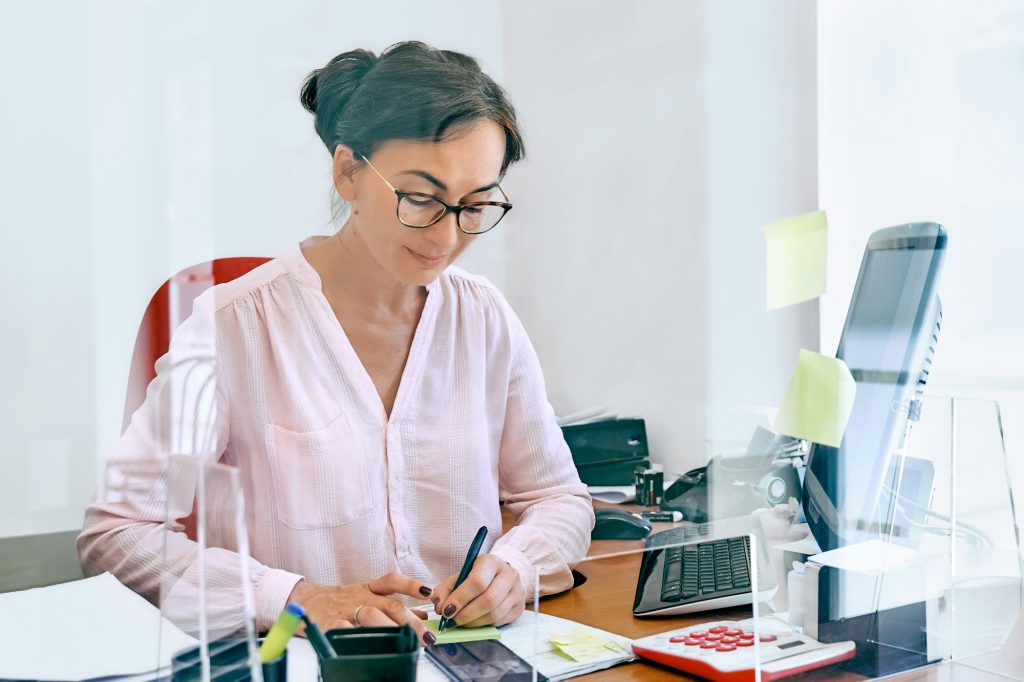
(445, 232)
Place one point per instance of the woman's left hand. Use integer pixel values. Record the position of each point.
(492, 594)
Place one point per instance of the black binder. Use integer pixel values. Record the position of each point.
(606, 452)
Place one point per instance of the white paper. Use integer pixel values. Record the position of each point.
(873, 557)
(84, 629)
(612, 494)
(530, 638)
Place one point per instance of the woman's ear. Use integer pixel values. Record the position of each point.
(344, 168)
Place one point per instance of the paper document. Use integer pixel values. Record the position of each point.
(612, 494)
(818, 401)
(531, 638)
(84, 629)
(796, 256)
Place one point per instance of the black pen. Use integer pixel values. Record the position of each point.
(467, 566)
(320, 643)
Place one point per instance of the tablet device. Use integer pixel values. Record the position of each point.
(486, 660)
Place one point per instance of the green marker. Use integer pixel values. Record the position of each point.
(276, 641)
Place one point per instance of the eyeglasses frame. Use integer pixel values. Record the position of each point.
(448, 208)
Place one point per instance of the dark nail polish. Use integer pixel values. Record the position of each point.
(430, 639)
(425, 591)
(449, 611)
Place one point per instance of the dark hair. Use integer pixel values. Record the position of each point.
(410, 92)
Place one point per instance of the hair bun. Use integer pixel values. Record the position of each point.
(308, 94)
(327, 91)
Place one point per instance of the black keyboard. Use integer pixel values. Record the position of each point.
(697, 568)
(706, 569)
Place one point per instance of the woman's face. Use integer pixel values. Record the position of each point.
(454, 170)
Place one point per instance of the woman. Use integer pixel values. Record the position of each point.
(378, 402)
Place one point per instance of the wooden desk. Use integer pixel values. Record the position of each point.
(605, 601)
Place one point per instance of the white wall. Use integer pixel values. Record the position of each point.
(922, 104)
(140, 138)
(659, 141)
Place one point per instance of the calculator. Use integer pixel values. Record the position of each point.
(725, 650)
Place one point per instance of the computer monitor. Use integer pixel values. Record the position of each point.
(887, 343)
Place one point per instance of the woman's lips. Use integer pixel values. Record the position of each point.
(427, 261)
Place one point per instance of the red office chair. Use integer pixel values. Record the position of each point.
(170, 305)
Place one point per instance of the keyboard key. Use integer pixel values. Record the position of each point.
(678, 639)
(726, 647)
(718, 629)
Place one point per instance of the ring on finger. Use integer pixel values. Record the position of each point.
(355, 615)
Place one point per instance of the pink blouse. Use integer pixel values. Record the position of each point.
(263, 378)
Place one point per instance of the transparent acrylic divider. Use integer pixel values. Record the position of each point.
(981, 608)
(133, 490)
(636, 604)
(932, 574)
(206, 589)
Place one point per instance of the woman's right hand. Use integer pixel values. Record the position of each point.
(335, 606)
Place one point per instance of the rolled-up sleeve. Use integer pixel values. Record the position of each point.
(538, 482)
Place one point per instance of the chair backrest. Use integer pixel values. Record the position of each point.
(170, 305)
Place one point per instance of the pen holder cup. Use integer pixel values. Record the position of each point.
(371, 655)
(228, 663)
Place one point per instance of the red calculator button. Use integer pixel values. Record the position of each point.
(768, 638)
(678, 638)
(712, 638)
(729, 640)
(698, 634)
(733, 633)
(745, 642)
(692, 642)
(708, 645)
(718, 629)
(747, 635)
(726, 647)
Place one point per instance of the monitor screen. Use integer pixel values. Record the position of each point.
(887, 344)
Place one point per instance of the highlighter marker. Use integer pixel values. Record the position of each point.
(276, 641)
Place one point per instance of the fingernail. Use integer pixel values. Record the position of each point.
(429, 638)
(425, 591)
(449, 611)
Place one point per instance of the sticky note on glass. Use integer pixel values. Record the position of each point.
(797, 254)
(454, 635)
(818, 401)
(583, 645)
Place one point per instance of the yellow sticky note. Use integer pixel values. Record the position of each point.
(818, 401)
(456, 634)
(797, 253)
(582, 645)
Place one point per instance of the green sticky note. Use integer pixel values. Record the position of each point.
(456, 634)
(797, 254)
(818, 401)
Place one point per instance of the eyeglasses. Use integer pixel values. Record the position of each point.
(419, 210)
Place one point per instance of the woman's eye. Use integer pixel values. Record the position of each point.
(474, 210)
(419, 201)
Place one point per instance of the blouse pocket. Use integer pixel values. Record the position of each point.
(321, 476)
